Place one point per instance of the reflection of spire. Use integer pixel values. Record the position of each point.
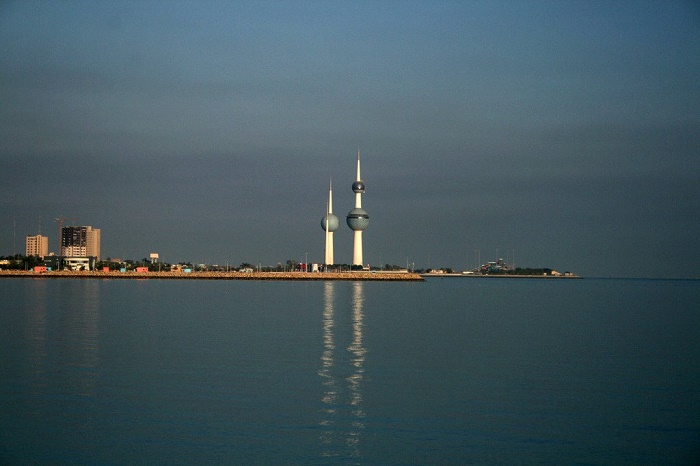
(342, 419)
(330, 390)
(357, 350)
(328, 344)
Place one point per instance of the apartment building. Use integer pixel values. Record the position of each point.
(83, 241)
(37, 246)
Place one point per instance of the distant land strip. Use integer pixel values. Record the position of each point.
(497, 275)
(307, 276)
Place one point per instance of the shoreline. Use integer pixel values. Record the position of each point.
(474, 275)
(289, 276)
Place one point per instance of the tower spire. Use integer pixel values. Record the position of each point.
(330, 195)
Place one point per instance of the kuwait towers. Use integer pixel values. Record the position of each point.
(329, 223)
(357, 218)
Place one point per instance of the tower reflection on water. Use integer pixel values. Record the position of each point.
(342, 375)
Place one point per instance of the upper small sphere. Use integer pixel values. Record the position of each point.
(358, 187)
(333, 222)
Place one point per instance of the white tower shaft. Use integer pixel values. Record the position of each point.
(329, 234)
(357, 248)
(330, 260)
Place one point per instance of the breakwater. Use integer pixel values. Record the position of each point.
(307, 276)
(500, 275)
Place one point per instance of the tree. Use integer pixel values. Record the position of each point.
(19, 262)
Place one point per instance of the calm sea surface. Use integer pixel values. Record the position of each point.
(450, 371)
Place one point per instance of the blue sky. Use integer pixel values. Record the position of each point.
(568, 132)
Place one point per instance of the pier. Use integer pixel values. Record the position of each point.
(305, 276)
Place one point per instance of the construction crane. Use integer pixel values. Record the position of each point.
(60, 231)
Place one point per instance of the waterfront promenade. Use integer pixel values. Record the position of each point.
(307, 276)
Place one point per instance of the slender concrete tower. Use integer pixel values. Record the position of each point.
(329, 223)
(357, 218)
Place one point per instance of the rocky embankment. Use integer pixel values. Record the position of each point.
(373, 276)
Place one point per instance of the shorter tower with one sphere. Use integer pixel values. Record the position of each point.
(330, 224)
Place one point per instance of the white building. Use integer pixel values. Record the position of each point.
(37, 246)
(77, 263)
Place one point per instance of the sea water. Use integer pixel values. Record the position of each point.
(448, 371)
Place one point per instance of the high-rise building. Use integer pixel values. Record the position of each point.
(93, 242)
(37, 246)
(357, 218)
(81, 241)
(329, 223)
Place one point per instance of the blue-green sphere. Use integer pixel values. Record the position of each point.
(358, 219)
(333, 222)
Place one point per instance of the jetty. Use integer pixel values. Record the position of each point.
(291, 276)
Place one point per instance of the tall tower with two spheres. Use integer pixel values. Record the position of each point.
(357, 218)
(329, 223)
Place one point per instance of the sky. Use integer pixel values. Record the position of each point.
(549, 133)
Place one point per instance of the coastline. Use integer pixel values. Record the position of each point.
(291, 276)
(460, 275)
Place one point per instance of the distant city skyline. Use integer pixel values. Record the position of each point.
(568, 132)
